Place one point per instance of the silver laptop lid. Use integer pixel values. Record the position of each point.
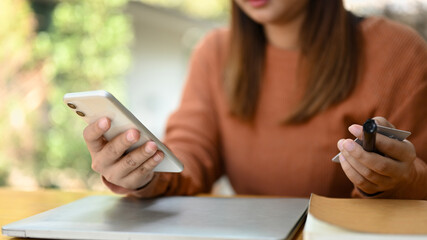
(113, 217)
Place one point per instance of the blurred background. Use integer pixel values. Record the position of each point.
(137, 50)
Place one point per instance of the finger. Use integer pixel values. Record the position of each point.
(375, 162)
(136, 158)
(115, 148)
(93, 134)
(339, 144)
(357, 179)
(403, 151)
(143, 174)
(371, 175)
(383, 122)
(356, 130)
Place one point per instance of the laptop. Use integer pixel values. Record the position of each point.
(115, 217)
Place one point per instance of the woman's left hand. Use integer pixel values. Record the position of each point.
(372, 173)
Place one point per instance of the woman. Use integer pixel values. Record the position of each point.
(266, 102)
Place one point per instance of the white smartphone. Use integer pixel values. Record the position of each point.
(93, 105)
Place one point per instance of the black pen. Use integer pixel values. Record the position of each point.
(369, 133)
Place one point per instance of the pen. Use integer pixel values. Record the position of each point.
(369, 132)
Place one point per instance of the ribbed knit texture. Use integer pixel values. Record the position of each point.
(270, 158)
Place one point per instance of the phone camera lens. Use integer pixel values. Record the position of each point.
(71, 105)
(81, 114)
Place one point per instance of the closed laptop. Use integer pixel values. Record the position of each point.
(114, 217)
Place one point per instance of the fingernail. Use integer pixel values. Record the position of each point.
(103, 124)
(130, 136)
(355, 130)
(157, 157)
(340, 144)
(349, 145)
(150, 147)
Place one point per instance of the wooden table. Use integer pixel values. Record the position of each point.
(16, 205)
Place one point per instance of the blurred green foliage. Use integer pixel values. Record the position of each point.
(82, 46)
(85, 48)
(15, 33)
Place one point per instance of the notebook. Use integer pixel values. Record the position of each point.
(334, 218)
(114, 217)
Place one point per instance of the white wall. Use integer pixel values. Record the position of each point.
(163, 41)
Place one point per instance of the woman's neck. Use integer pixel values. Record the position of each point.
(285, 35)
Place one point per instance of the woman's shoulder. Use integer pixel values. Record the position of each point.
(214, 44)
(381, 33)
(395, 56)
(217, 35)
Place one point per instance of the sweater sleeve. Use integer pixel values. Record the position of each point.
(405, 107)
(192, 131)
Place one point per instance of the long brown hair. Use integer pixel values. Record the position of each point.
(329, 47)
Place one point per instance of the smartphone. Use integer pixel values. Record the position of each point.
(92, 105)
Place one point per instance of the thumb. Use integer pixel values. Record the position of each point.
(356, 130)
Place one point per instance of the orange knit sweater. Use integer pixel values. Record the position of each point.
(271, 158)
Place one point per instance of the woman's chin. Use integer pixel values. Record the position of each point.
(263, 19)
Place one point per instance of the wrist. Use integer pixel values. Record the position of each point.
(147, 183)
(122, 190)
(115, 188)
(369, 194)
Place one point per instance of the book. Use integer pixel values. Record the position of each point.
(339, 218)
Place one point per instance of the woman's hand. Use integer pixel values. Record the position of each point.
(371, 172)
(130, 171)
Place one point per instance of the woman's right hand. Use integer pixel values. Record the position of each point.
(130, 171)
